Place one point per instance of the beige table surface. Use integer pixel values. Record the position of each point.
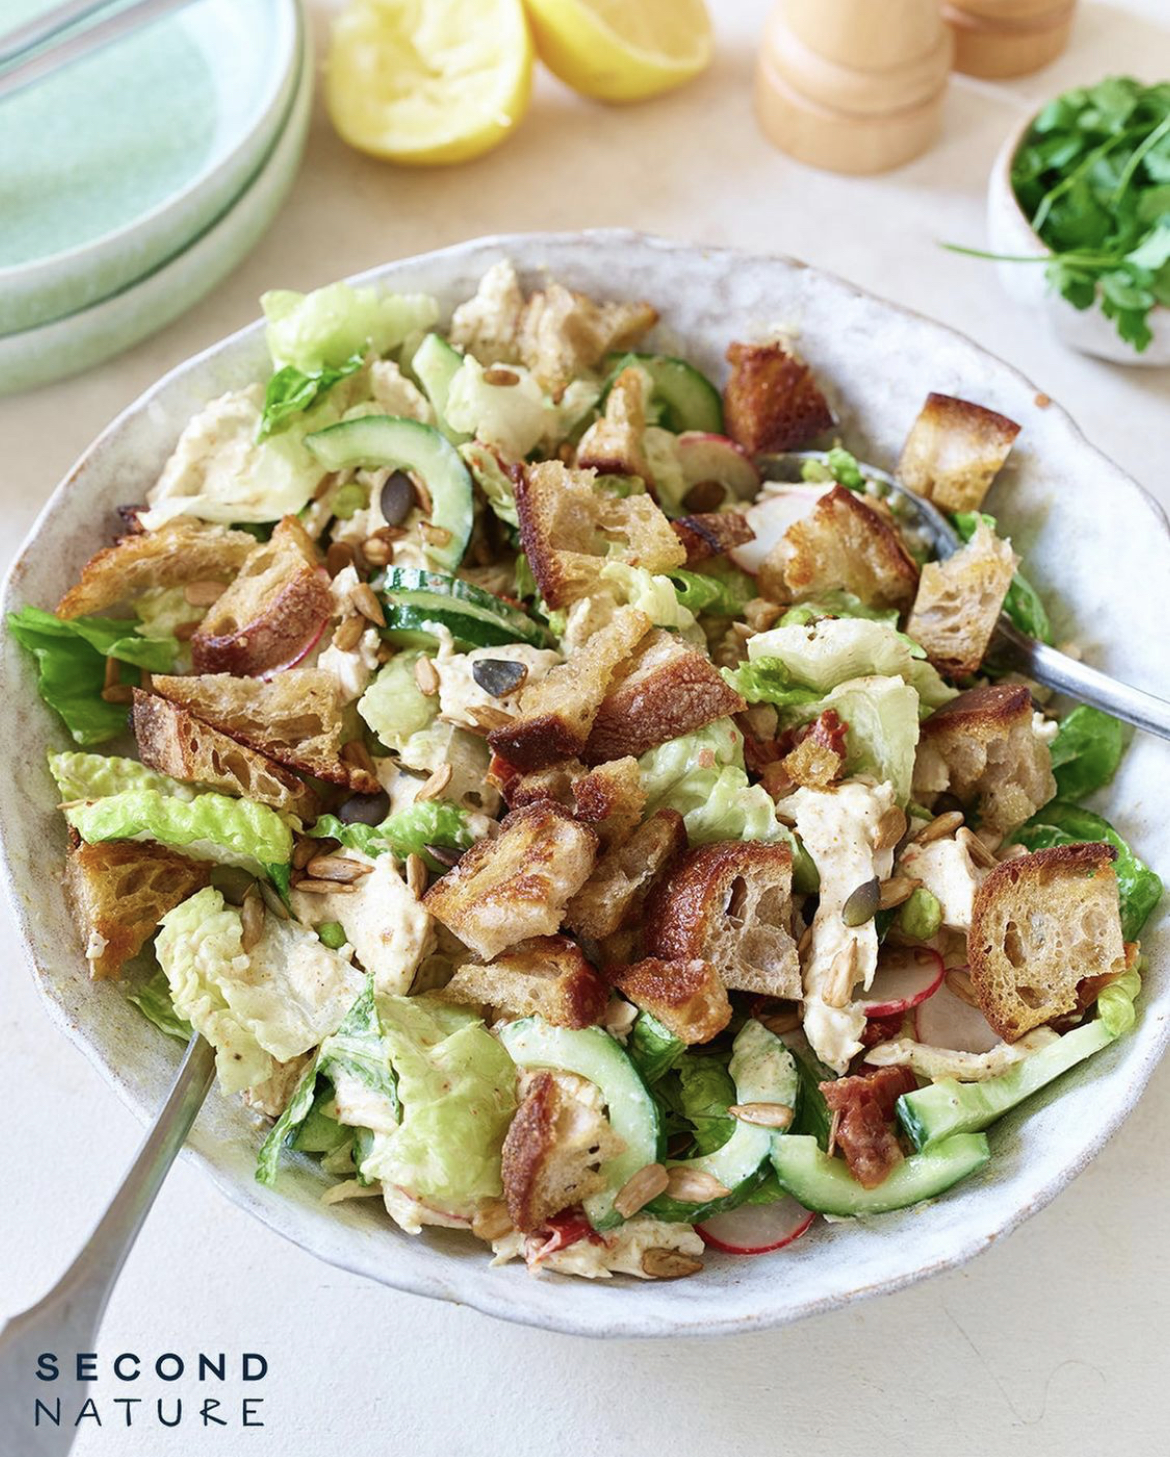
(1051, 1343)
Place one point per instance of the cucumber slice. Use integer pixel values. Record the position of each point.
(948, 1107)
(686, 399)
(409, 587)
(401, 444)
(435, 365)
(825, 1184)
(413, 627)
(764, 1071)
(592, 1053)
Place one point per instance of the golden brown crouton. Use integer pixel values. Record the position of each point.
(611, 799)
(269, 614)
(687, 997)
(813, 763)
(175, 742)
(772, 402)
(621, 880)
(954, 450)
(563, 334)
(516, 886)
(555, 1147)
(614, 444)
(488, 325)
(1040, 925)
(983, 748)
(557, 712)
(294, 718)
(667, 689)
(120, 890)
(546, 977)
(959, 602)
(556, 782)
(711, 533)
(181, 551)
(843, 543)
(571, 528)
(730, 904)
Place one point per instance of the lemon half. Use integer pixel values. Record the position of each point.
(429, 81)
(622, 50)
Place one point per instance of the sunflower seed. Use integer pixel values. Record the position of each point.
(349, 634)
(416, 875)
(781, 1022)
(203, 594)
(325, 887)
(426, 676)
(669, 1264)
(706, 496)
(336, 867)
(251, 918)
(339, 556)
(959, 981)
(976, 849)
(434, 535)
(273, 901)
(398, 498)
(763, 1115)
(694, 1186)
(377, 552)
(940, 827)
(488, 718)
(304, 851)
(436, 783)
(638, 1190)
(499, 676)
(425, 504)
(185, 631)
(497, 375)
(896, 890)
(365, 600)
(890, 829)
(842, 975)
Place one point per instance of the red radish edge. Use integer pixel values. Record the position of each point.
(906, 985)
(756, 1229)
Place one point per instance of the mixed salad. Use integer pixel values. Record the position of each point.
(574, 808)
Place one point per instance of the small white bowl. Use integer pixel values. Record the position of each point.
(1087, 330)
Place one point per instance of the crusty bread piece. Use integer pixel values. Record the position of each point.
(711, 533)
(687, 997)
(1040, 925)
(611, 799)
(771, 402)
(267, 616)
(667, 688)
(730, 904)
(954, 451)
(959, 602)
(487, 325)
(622, 877)
(120, 890)
(182, 551)
(557, 711)
(570, 529)
(555, 1146)
(983, 748)
(516, 886)
(175, 742)
(563, 334)
(843, 543)
(614, 444)
(546, 977)
(294, 717)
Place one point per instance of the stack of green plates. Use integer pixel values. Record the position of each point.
(132, 181)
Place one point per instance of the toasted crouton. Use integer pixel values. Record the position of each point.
(175, 742)
(516, 886)
(1040, 925)
(614, 444)
(611, 799)
(271, 610)
(181, 551)
(813, 764)
(488, 325)
(687, 997)
(546, 977)
(772, 402)
(984, 749)
(294, 718)
(666, 689)
(959, 602)
(563, 334)
(120, 890)
(615, 892)
(730, 904)
(711, 533)
(954, 450)
(558, 711)
(556, 782)
(570, 529)
(841, 543)
(555, 1147)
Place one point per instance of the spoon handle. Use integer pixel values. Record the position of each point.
(66, 1320)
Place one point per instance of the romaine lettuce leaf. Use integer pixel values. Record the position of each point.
(490, 476)
(1022, 603)
(1086, 751)
(153, 1000)
(720, 589)
(410, 831)
(767, 680)
(291, 391)
(514, 419)
(653, 595)
(881, 737)
(328, 326)
(835, 649)
(706, 1092)
(835, 604)
(394, 706)
(94, 776)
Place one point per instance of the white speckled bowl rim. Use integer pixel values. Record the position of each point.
(1093, 541)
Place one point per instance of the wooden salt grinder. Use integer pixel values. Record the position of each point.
(1000, 38)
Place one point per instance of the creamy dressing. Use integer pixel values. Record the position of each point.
(459, 692)
(946, 869)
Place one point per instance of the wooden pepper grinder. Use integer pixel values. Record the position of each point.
(1000, 38)
(853, 85)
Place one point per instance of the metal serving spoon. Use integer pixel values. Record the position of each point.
(66, 1321)
(1013, 648)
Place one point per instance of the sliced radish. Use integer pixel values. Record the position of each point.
(706, 457)
(756, 1229)
(948, 1021)
(770, 518)
(906, 976)
(300, 653)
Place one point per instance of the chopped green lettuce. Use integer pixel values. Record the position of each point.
(706, 1091)
(394, 706)
(702, 776)
(94, 776)
(490, 476)
(410, 831)
(835, 603)
(653, 1048)
(153, 1000)
(514, 419)
(292, 391)
(653, 595)
(720, 589)
(1022, 603)
(881, 733)
(767, 680)
(328, 326)
(832, 650)
(1086, 751)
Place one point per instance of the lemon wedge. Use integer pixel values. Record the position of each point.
(622, 50)
(429, 81)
